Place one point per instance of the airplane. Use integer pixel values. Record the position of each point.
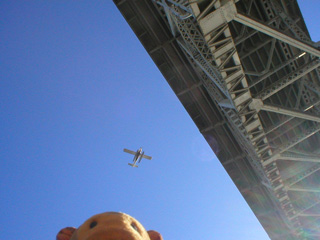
(138, 155)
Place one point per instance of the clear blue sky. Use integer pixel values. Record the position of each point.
(76, 87)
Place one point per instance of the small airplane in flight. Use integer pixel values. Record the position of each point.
(138, 155)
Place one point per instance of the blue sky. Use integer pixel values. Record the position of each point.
(76, 87)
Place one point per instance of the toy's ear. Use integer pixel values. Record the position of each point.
(154, 235)
(65, 233)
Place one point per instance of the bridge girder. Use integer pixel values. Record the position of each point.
(255, 65)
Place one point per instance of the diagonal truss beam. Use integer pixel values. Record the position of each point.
(275, 34)
(297, 31)
(277, 68)
(309, 215)
(289, 79)
(270, 56)
(302, 189)
(302, 175)
(284, 121)
(305, 209)
(289, 112)
(301, 158)
(299, 138)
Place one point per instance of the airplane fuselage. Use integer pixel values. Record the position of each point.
(138, 155)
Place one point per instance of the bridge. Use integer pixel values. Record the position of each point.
(247, 73)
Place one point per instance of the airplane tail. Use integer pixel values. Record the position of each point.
(133, 165)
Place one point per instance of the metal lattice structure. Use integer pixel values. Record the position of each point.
(247, 72)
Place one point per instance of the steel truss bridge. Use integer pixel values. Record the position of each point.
(247, 73)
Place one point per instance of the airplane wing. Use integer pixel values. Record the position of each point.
(147, 157)
(129, 151)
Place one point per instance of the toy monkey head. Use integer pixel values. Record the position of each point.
(109, 226)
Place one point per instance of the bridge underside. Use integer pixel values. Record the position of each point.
(247, 73)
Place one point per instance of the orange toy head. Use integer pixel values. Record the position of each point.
(109, 226)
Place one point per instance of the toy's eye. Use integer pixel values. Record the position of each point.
(93, 224)
(134, 226)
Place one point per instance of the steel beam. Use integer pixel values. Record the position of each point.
(299, 138)
(303, 152)
(289, 112)
(270, 56)
(315, 88)
(255, 48)
(276, 34)
(284, 121)
(309, 215)
(305, 209)
(302, 189)
(277, 68)
(289, 79)
(300, 158)
(302, 175)
(291, 24)
(240, 39)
